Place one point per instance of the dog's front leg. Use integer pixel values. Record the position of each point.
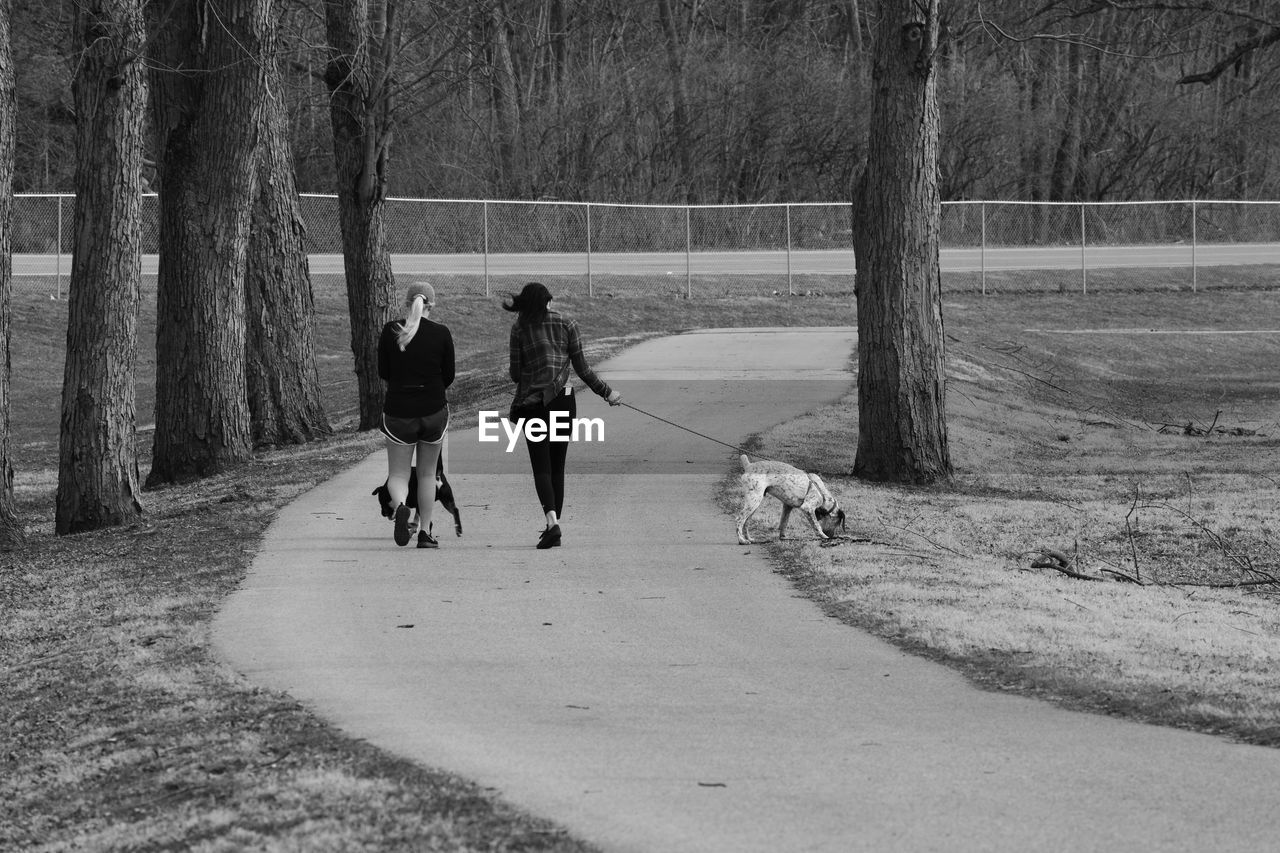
(813, 521)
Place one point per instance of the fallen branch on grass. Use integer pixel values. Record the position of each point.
(833, 541)
(1191, 429)
(1241, 560)
(1122, 576)
(1046, 558)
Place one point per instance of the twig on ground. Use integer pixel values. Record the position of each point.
(1128, 527)
(1121, 576)
(937, 545)
(1240, 560)
(833, 541)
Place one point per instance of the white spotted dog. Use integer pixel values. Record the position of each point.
(796, 489)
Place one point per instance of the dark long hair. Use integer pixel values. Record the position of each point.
(530, 303)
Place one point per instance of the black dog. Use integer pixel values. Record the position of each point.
(444, 494)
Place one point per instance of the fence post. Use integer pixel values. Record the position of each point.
(688, 255)
(791, 291)
(1084, 264)
(58, 262)
(982, 250)
(1194, 269)
(485, 216)
(591, 287)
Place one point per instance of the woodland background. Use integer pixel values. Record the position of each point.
(727, 101)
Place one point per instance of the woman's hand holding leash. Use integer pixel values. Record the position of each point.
(614, 399)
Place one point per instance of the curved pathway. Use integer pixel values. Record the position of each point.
(653, 686)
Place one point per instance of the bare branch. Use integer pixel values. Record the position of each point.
(1240, 51)
(1121, 576)
(937, 545)
(1128, 527)
(1239, 560)
(1066, 570)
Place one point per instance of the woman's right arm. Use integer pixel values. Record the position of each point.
(582, 368)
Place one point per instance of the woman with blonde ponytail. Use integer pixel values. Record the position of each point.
(416, 360)
(409, 328)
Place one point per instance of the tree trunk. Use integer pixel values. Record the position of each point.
(1064, 181)
(558, 36)
(902, 430)
(855, 31)
(208, 82)
(505, 92)
(358, 75)
(281, 375)
(677, 58)
(97, 458)
(11, 533)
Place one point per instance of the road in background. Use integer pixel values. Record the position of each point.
(830, 262)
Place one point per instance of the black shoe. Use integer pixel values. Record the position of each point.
(550, 538)
(426, 540)
(402, 534)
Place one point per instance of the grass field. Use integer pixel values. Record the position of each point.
(121, 731)
(1136, 435)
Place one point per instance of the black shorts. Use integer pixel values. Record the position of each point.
(429, 429)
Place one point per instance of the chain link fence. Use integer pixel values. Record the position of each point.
(486, 247)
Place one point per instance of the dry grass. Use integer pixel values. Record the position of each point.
(121, 732)
(1053, 447)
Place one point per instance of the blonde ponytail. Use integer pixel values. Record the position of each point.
(409, 328)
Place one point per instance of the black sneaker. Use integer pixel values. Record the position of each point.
(550, 538)
(426, 540)
(402, 534)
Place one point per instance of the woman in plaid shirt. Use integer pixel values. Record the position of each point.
(544, 345)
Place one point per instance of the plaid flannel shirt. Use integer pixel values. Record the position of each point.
(541, 354)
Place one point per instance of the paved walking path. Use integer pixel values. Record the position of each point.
(653, 686)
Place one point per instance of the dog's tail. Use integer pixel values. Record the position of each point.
(745, 461)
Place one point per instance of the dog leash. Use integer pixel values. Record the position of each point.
(694, 431)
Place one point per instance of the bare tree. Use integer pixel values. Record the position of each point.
(281, 374)
(97, 460)
(11, 533)
(360, 75)
(1239, 29)
(1106, 119)
(208, 79)
(902, 429)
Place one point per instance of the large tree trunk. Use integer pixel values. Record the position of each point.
(11, 534)
(283, 381)
(97, 458)
(902, 430)
(208, 82)
(358, 75)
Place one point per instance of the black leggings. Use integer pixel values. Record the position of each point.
(547, 457)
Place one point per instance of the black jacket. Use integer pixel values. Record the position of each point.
(417, 377)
